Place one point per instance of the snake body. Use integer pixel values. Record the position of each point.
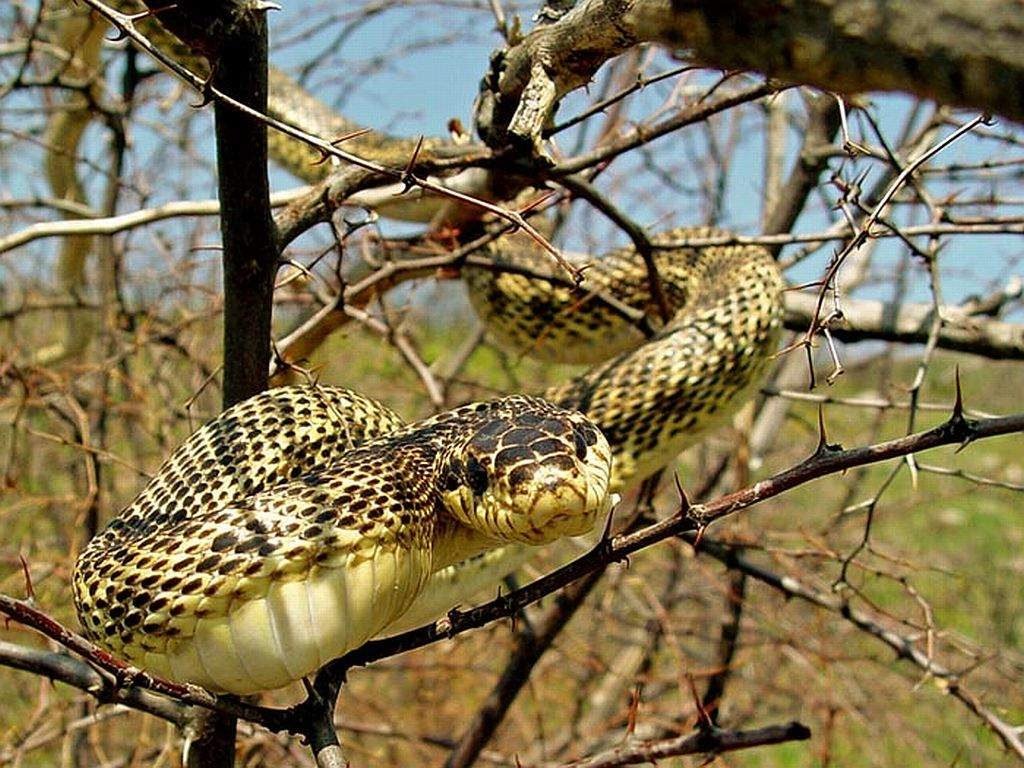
(650, 399)
(306, 520)
(268, 544)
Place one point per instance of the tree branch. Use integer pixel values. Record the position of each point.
(711, 741)
(871, 320)
(247, 225)
(60, 667)
(965, 54)
(903, 647)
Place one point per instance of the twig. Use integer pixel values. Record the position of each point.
(110, 225)
(711, 741)
(727, 644)
(531, 644)
(903, 646)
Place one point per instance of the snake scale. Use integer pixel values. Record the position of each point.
(306, 520)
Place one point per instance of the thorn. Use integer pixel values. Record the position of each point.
(958, 423)
(408, 177)
(606, 534)
(684, 502)
(699, 537)
(351, 135)
(29, 589)
(824, 446)
(822, 436)
(152, 12)
(537, 202)
(127, 22)
(325, 156)
(958, 404)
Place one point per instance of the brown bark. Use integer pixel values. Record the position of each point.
(967, 54)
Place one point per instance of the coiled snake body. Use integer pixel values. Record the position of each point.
(306, 520)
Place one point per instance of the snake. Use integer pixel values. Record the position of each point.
(308, 519)
(288, 530)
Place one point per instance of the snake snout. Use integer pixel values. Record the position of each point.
(546, 477)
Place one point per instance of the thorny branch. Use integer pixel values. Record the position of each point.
(904, 647)
(125, 24)
(958, 430)
(863, 233)
(712, 741)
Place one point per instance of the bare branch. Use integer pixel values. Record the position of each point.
(973, 56)
(712, 741)
(904, 647)
(909, 323)
(60, 667)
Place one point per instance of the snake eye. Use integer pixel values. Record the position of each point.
(476, 475)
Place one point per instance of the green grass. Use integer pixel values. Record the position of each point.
(958, 546)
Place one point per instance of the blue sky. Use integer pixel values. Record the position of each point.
(419, 91)
(410, 69)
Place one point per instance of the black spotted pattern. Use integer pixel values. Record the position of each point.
(228, 513)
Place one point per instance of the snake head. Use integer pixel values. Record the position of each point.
(530, 476)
